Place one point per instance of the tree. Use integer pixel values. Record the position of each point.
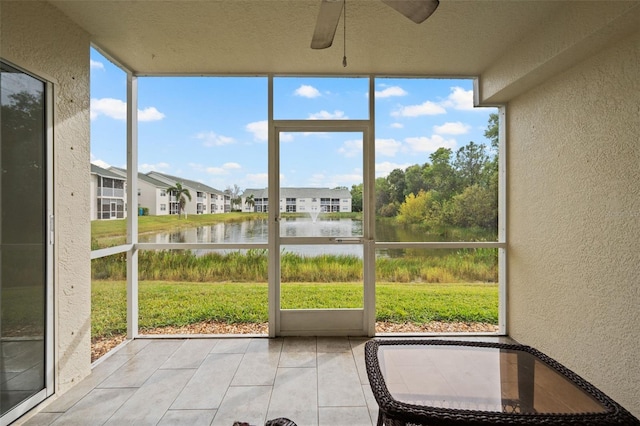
(493, 134)
(474, 207)
(234, 196)
(397, 185)
(493, 131)
(414, 180)
(470, 164)
(422, 208)
(180, 192)
(383, 193)
(356, 197)
(250, 201)
(440, 176)
(412, 211)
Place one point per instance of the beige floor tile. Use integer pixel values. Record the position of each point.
(243, 403)
(372, 405)
(190, 354)
(333, 344)
(140, 367)
(40, 419)
(338, 381)
(231, 346)
(264, 346)
(257, 369)
(98, 374)
(344, 416)
(187, 417)
(295, 396)
(95, 408)
(149, 403)
(298, 352)
(209, 383)
(357, 347)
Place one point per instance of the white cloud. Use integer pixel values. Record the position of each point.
(326, 115)
(425, 144)
(96, 65)
(397, 125)
(101, 163)
(351, 148)
(113, 108)
(260, 130)
(387, 147)
(213, 139)
(150, 114)
(347, 180)
(257, 180)
(149, 167)
(386, 167)
(317, 180)
(117, 109)
(332, 180)
(307, 91)
(426, 108)
(459, 99)
(215, 170)
(390, 91)
(231, 166)
(286, 137)
(452, 128)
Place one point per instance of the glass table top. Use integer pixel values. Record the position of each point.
(480, 378)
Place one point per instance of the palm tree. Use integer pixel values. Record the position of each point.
(180, 192)
(250, 201)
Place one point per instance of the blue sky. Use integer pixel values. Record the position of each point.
(214, 129)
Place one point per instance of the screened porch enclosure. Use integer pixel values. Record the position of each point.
(329, 263)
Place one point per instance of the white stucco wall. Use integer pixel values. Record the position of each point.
(40, 39)
(574, 219)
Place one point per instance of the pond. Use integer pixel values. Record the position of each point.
(256, 231)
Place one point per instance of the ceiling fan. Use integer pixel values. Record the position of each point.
(330, 11)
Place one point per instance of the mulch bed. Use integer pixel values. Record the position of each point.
(100, 346)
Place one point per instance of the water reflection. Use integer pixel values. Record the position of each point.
(256, 231)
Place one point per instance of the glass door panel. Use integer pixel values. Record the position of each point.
(321, 235)
(23, 242)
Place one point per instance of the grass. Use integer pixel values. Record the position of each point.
(178, 287)
(464, 265)
(179, 303)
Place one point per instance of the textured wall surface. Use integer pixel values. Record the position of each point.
(40, 39)
(574, 219)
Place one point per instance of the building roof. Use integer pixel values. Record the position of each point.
(97, 170)
(300, 193)
(141, 176)
(172, 180)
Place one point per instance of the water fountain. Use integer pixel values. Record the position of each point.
(314, 215)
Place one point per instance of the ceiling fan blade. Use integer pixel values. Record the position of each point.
(327, 22)
(416, 10)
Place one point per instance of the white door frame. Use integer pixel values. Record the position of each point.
(318, 322)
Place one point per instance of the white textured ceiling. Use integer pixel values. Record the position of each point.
(462, 38)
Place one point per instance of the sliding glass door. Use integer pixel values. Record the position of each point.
(25, 244)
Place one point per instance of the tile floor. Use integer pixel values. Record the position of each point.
(311, 380)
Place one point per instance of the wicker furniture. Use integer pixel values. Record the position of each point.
(440, 382)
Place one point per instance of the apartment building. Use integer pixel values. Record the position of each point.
(299, 200)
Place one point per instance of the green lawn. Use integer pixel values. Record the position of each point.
(165, 303)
